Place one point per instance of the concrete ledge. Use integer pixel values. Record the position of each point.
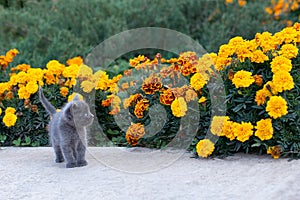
(30, 173)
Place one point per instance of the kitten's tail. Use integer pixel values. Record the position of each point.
(46, 103)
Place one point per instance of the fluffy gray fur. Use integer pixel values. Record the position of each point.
(67, 130)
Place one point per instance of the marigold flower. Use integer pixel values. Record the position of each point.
(242, 3)
(198, 81)
(75, 61)
(258, 80)
(55, 67)
(0, 111)
(141, 106)
(261, 96)
(258, 57)
(217, 124)
(64, 91)
(135, 61)
(283, 80)
(277, 107)
(190, 95)
(134, 133)
(281, 63)
(202, 100)
(228, 129)
(264, 129)
(23, 93)
(289, 51)
(242, 78)
(133, 99)
(10, 110)
(9, 95)
(274, 151)
(243, 131)
(87, 86)
(179, 107)
(21, 67)
(11, 54)
(167, 97)
(32, 87)
(205, 148)
(152, 84)
(9, 119)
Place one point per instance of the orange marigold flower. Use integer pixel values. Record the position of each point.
(274, 151)
(141, 106)
(134, 133)
(11, 54)
(190, 95)
(167, 97)
(258, 80)
(133, 99)
(75, 61)
(152, 84)
(261, 96)
(64, 91)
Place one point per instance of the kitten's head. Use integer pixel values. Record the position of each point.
(78, 111)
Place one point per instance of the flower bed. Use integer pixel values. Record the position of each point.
(260, 76)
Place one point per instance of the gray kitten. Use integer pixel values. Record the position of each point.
(67, 130)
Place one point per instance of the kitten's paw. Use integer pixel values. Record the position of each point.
(59, 160)
(70, 165)
(82, 163)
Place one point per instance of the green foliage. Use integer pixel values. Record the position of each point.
(45, 30)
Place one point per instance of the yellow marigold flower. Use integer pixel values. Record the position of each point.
(85, 72)
(87, 86)
(0, 111)
(217, 124)
(9, 119)
(179, 107)
(269, 10)
(198, 81)
(283, 80)
(55, 67)
(228, 129)
(64, 91)
(75, 61)
(258, 57)
(202, 100)
(258, 80)
(243, 131)
(281, 63)
(277, 107)
(261, 96)
(135, 61)
(266, 41)
(205, 148)
(242, 78)
(23, 93)
(71, 71)
(4, 87)
(141, 107)
(71, 97)
(264, 129)
(134, 133)
(289, 51)
(32, 87)
(10, 110)
(35, 74)
(274, 151)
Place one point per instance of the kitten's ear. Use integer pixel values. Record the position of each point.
(68, 113)
(76, 98)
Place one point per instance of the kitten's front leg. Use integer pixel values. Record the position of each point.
(81, 155)
(69, 156)
(58, 153)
